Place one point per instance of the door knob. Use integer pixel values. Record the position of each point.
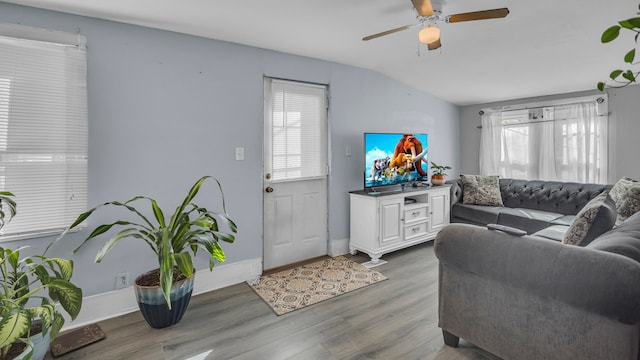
(269, 189)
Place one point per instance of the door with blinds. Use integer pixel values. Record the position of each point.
(295, 172)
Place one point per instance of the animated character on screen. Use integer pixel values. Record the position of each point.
(409, 151)
(378, 168)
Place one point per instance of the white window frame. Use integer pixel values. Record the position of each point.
(501, 126)
(297, 114)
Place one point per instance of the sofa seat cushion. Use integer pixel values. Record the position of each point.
(566, 220)
(528, 220)
(597, 217)
(623, 239)
(476, 213)
(553, 232)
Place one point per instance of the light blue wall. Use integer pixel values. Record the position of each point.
(167, 108)
(624, 127)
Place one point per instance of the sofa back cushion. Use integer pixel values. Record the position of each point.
(481, 190)
(559, 197)
(595, 218)
(626, 195)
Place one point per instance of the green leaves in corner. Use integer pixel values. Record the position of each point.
(621, 78)
(610, 34)
(630, 56)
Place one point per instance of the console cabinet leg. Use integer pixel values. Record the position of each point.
(450, 339)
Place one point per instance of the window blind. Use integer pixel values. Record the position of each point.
(298, 115)
(43, 131)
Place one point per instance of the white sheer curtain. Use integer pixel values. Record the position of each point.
(568, 144)
(491, 143)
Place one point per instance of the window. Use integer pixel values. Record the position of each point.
(43, 128)
(566, 141)
(298, 116)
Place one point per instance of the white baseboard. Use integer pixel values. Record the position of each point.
(338, 247)
(123, 301)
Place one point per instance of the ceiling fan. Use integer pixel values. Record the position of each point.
(430, 12)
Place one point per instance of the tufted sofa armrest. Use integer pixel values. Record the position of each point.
(456, 191)
(588, 279)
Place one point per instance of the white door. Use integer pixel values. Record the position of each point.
(295, 172)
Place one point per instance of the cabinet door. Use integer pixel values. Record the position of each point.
(391, 221)
(439, 209)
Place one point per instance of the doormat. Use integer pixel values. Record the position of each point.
(309, 284)
(75, 339)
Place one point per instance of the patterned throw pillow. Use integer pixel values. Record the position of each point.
(626, 195)
(481, 190)
(595, 218)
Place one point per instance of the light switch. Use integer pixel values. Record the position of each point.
(347, 150)
(239, 153)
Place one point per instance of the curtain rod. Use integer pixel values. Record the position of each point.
(599, 100)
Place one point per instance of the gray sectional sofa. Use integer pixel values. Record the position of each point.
(530, 297)
(531, 206)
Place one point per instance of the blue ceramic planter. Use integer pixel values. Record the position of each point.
(153, 305)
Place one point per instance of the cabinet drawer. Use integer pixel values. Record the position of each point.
(411, 231)
(415, 214)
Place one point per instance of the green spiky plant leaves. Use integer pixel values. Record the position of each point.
(619, 77)
(191, 227)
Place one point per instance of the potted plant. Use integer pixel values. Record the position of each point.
(438, 175)
(7, 203)
(163, 294)
(33, 278)
(26, 329)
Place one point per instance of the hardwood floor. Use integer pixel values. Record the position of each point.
(394, 319)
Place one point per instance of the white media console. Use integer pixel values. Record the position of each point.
(389, 221)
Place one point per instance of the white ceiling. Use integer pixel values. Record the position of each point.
(542, 47)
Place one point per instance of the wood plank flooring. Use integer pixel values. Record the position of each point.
(394, 319)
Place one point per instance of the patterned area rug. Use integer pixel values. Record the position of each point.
(293, 289)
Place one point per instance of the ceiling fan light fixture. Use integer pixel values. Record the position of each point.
(429, 35)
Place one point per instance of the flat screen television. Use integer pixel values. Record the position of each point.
(394, 158)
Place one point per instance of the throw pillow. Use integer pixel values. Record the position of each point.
(594, 219)
(626, 195)
(481, 190)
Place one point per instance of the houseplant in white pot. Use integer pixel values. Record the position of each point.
(163, 294)
(26, 328)
(37, 278)
(438, 173)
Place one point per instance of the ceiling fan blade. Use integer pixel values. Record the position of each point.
(479, 15)
(388, 32)
(423, 7)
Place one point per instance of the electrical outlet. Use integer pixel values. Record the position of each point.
(122, 280)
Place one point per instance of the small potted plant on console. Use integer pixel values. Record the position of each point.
(438, 175)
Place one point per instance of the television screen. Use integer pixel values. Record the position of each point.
(392, 158)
